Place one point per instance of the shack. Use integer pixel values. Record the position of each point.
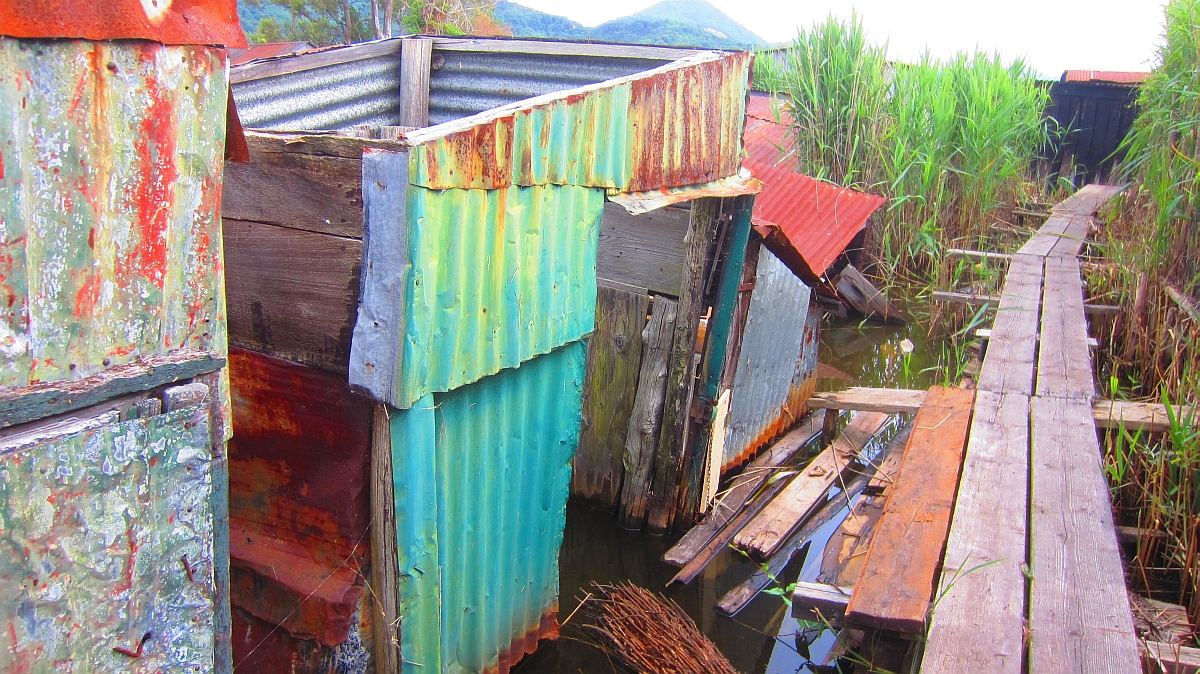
(113, 393)
(409, 312)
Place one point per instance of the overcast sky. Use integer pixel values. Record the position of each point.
(1053, 35)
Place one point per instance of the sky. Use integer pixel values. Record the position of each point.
(1052, 35)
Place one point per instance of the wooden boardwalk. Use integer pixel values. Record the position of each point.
(1032, 577)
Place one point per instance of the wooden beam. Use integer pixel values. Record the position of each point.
(562, 48)
(1148, 417)
(1170, 658)
(641, 438)
(982, 587)
(855, 289)
(804, 493)
(301, 62)
(384, 563)
(1008, 365)
(416, 54)
(28, 403)
(891, 401)
(896, 585)
(976, 254)
(820, 601)
(966, 298)
(1184, 303)
(1064, 359)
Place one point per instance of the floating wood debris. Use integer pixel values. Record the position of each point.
(855, 289)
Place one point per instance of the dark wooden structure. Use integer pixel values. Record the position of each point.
(1093, 119)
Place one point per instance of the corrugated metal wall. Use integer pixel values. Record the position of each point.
(481, 481)
(777, 355)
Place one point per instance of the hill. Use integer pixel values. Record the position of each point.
(690, 23)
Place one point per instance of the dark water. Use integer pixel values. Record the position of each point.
(764, 638)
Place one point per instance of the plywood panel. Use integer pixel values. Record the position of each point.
(645, 251)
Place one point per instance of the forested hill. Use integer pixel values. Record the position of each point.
(693, 23)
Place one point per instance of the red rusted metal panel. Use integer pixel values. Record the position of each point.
(212, 22)
(268, 50)
(1112, 76)
(299, 498)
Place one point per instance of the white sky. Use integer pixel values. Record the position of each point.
(1053, 35)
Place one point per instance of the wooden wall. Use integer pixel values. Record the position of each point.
(1097, 117)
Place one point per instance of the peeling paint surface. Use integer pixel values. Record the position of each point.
(481, 480)
(110, 244)
(94, 529)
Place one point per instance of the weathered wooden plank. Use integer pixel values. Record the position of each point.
(892, 401)
(1064, 359)
(982, 587)
(385, 567)
(562, 48)
(641, 438)
(643, 250)
(1074, 236)
(614, 359)
(1147, 417)
(820, 601)
(415, 56)
(1088, 199)
(977, 254)
(1043, 241)
(1008, 362)
(27, 403)
(897, 581)
(291, 293)
(966, 298)
(744, 486)
(1159, 620)
(319, 59)
(292, 186)
(772, 527)
(1170, 658)
(669, 459)
(1079, 612)
(854, 288)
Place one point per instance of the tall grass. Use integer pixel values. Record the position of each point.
(951, 143)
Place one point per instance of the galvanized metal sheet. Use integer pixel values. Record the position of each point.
(776, 362)
(676, 125)
(110, 181)
(106, 536)
(494, 278)
(482, 475)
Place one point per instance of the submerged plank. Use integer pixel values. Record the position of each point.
(897, 581)
(772, 527)
(982, 588)
(889, 400)
(1064, 359)
(1009, 360)
(1079, 611)
(827, 602)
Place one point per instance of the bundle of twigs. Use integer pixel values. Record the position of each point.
(651, 634)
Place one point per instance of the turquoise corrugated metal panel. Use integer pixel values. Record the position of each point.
(680, 124)
(95, 528)
(497, 277)
(501, 450)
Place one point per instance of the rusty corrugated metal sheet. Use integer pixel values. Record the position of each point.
(1110, 76)
(110, 181)
(167, 21)
(267, 50)
(106, 536)
(677, 125)
(776, 369)
(639, 203)
(482, 475)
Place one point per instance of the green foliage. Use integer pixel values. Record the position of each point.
(321, 22)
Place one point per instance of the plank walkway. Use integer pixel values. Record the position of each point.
(1032, 576)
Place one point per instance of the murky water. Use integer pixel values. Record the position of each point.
(764, 638)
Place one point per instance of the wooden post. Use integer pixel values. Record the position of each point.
(668, 460)
(384, 566)
(416, 53)
(642, 438)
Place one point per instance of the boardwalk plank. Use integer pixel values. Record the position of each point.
(1043, 240)
(982, 588)
(897, 581)
(1008, 362)
(1079, 611)
(1064, 360)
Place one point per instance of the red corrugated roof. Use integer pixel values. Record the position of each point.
(165, 21)
(805, 222)
(1115, 76)
(264, 51)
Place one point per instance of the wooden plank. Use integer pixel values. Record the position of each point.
(855, 289)
(290, 293)
(982, 586)
(1184, 303)
(897, 581)
(301, 62)
(416, 54)
(669, 459)
(28, 403)
(641, 439)
(643, 250)
(292, 186)
(1079, 612)
(1008, 362)
(614, 358)
(772, 527)
(384, 562)
(1159, 620)
(1147, 417)
(1064, 359)
(1170, 658)
(984, 255)
(892, 401)
(966, 298)
(1088, 199)
(1042, 241)
(818, 601)
(1074, 236)
(562, 48)
(750, 482)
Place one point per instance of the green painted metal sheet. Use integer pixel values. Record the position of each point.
(482, 474)
(110, 182)
(94, 527)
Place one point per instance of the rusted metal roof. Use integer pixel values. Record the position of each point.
(1105, 76)
(195, 22)
(807, 223)
(268, 50)
(639, 203)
